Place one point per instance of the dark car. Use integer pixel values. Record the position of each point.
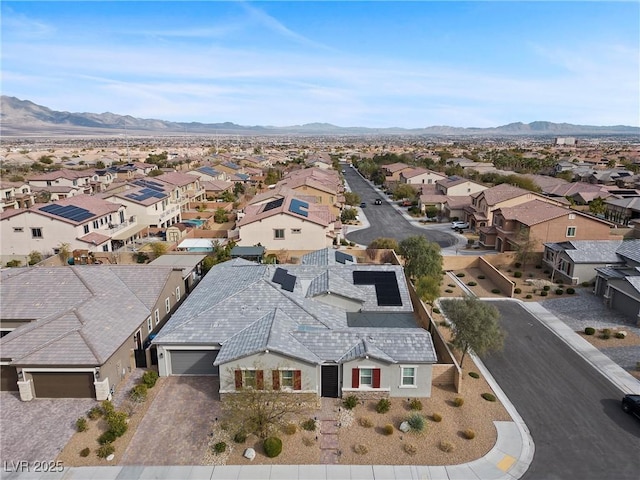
(631, 404)
(378, 201)
(363, 204)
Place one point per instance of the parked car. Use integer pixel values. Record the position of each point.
(631, 404)
(363, 204)
(458, 225)
(378, 201)
(406, 203)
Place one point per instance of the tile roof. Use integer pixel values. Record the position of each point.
(325, 256)
(177, 179)
(316, 213)
(238, 306)
(80, 315)
(534, 212)
(94, 238)
(95, 205)
(501, 193)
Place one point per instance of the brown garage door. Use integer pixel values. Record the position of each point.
(63, 385)
(8, 378)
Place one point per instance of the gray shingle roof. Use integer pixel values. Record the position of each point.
(81, 315)
(630, 249)
(238, 306)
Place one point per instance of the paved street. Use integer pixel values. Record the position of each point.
(386, 221)
(572, 411)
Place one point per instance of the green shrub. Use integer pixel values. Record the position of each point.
(544, 293)
(589, 331)
(383, 405)
(474, 375)
(452, 285)
(448, 290)
(458, 401)
(585, 284)
(117, 423)
(240, 437)
(436, 417)
(105, 450)
(570, 290)
(469, 434)
(495, 290)
(94, 413)
(436, 310)
(621, 335)
(472, 284)
(107, 437)
(220, 447)
(309, 425)
(417, 422)
(460, 275)
(81, 424)
(517, 290)
(415, 404)
(517, 274)
(489, 397)
(546, 288)
(365, 422)
(606, 334)
(350, 402)
(290, 428)
(481, 277)
(528, 295)
(85, 452)
(272, 447)
(559, 291)
(606, 331)
(138, 393)
(107, 408)
(388, 429)
(149, 378)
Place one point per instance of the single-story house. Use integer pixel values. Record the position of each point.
(75, 331)
(327, 328)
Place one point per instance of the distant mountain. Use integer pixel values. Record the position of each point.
(25, 118)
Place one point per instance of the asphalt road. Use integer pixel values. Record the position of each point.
(385, 220)
(572, 411)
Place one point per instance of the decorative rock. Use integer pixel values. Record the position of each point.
(249, 453)
(110, 457)
(404, 427)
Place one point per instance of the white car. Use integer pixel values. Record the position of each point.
(459, 225)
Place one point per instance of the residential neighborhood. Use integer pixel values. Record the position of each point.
(238, 274)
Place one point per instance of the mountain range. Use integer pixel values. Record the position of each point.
(24, 118)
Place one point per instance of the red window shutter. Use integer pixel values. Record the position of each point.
(260, 379)
(376, 378)
(275, 378)
(355, 377)
(297, 380)
(238, 379)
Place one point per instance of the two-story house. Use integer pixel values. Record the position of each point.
(420, 176)
(536, 223)
(150, 202)
(64, 178)
(184, 188)
(15, 195)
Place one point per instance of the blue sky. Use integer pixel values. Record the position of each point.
(374, 64)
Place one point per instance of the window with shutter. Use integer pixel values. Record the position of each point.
(238, 379)
(275, 379)
(260, 379)
(297, 380)
(376, 378)
(355, 378)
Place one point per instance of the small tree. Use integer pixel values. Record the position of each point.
(348, 214)
(405, 190)
(263, 411)
(428, 288)
(158, 249)
(351, 198)
(525, 248)
(475, 326)
(220, 216)
(64, 251)
(422, 257)
(34, 257)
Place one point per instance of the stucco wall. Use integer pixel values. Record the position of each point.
(312, 236)
(390, 378)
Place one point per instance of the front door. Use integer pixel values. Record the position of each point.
(139, 353)
(329, 379)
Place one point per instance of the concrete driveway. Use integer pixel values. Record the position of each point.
(175, 429)
(37, 430)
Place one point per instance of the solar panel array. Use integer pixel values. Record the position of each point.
(209, 171)
(70, 212)
(273, 204)
(284, 279)
(144, 194)
(386, 284)
(342, 257)
(144, 182)
(299, 207)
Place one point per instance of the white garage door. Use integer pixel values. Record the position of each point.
(193, 362)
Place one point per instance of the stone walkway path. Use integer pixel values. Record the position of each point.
(328, 419)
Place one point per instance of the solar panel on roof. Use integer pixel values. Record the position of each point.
(299, 207)
(289, 283)
(284, 279)
(386, 284)
(273, 204)
(279, 275)
(69, 212)
(342, 257)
